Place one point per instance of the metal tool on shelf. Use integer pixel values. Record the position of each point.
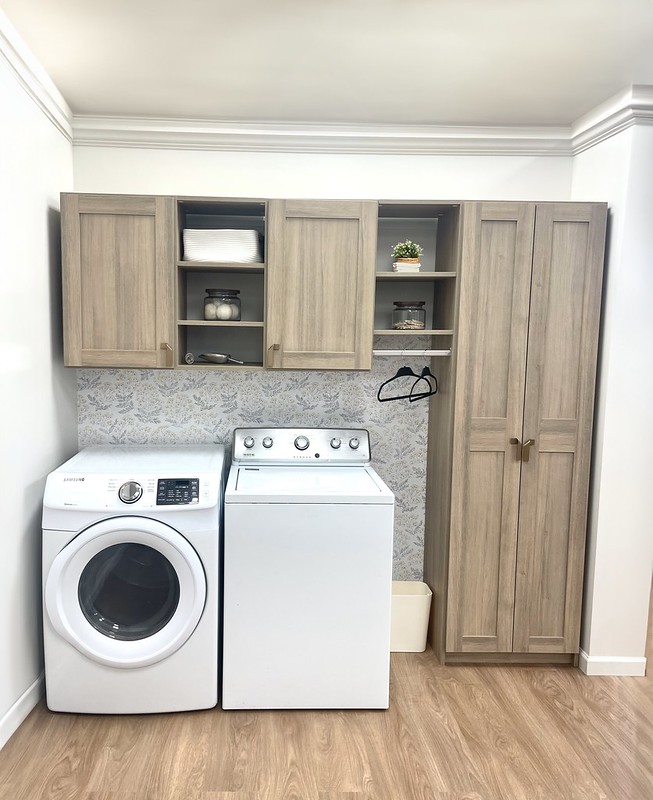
(212, 358)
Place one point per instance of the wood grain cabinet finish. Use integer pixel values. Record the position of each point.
(320, 284)
(530, 292)
(118, 261)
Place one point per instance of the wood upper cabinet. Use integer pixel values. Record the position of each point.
(320, 284)
(118, 266)
(530, 296)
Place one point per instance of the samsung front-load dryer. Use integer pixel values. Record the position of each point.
(131, 565)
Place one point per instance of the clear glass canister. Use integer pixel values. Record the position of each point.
(222, 305)
(408, 315)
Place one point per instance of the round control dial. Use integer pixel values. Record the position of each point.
(302, 442)
(268, 442)
(248, 441)
(130, 492)
(354, 443)
(335, 442)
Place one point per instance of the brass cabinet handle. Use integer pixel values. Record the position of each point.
(525, 450)
(514, 440)
(272, 349)
(168, 353)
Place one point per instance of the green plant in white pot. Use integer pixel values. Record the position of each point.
(407, 253)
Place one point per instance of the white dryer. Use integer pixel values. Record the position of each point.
(131, 586)
(308, 572)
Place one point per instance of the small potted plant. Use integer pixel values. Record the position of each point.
(406, 256)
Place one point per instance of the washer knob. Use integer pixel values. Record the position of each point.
(248, 441)
(354, 443)
(301, 442)
(267, 442)
(130, 492)
(335, 442)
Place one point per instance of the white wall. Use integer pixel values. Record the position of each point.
(241, 174)
(620, 537)
(38, 397)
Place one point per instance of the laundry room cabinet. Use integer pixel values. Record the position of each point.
(506, 554)
(117, 252)
(320, 284)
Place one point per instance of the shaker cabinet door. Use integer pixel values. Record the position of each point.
(118, 261)
(492, 328)
(558, 412)
(320, 284)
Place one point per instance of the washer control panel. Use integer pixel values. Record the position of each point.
(177, 491)
(340, 446)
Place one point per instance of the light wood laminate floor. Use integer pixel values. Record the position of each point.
(452, 733)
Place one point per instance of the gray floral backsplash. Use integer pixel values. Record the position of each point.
(119, 406)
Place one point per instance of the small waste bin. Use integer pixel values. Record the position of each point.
(411, 603)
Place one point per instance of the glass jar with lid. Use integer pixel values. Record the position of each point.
(222, 305)
(408, 315)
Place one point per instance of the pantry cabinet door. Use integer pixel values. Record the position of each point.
(320, 284)
(495, 279)
(118, 266)
(558, 412)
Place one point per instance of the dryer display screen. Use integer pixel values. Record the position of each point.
(177, 491)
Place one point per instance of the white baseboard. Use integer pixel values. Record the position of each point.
(612, 665)
(11, 721)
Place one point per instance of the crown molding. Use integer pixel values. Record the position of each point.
(98, 131)
(33, 78)
(631, 106)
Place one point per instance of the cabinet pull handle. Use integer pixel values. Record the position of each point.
(272, 350)
(168, 353)
(514, 440)
(525, 450)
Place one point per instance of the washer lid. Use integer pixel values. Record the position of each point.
(306, 485)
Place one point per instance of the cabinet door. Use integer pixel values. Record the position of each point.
(320, 290)
(558, 411)
(492, 333)
(118, 263)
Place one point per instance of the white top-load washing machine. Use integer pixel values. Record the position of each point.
(308, 572)
(131, 566)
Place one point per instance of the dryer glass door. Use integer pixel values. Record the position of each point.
(126, 592)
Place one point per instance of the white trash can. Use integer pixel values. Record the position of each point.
(409, 621)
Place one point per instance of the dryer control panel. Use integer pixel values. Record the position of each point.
(177, 491)
(301, 446)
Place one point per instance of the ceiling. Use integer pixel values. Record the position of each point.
(418, 62)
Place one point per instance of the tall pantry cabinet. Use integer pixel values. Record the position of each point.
(505, 537)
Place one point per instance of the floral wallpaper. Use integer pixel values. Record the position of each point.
(119, 406)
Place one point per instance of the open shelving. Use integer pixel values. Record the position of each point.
(242, 339)
(435, 227)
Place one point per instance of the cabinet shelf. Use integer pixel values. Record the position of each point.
(413, 276)
(440, 332)
(233, 367)
(221, 266)
(204, 323)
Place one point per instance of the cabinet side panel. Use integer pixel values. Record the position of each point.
(71, 280)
